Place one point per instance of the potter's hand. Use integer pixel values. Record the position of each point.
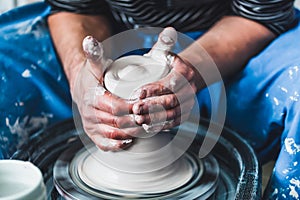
(167, 102)
(106, 118)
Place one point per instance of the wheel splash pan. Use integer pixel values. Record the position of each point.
(236, 159)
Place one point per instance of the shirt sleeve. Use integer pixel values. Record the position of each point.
(93, 7)
(277, 15)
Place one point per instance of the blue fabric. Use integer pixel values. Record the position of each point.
(33, 88)
(263, 105)
(262, 101)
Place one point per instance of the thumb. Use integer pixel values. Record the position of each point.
(166, 40)
(97, 63)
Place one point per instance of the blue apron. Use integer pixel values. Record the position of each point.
(34, 91)
(262, 101)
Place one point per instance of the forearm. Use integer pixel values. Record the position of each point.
(230, 43)
(68, 31)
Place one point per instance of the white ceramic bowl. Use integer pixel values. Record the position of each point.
(21, 180)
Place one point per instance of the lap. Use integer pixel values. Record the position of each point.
(263, 95)
(263, 106)
(260, 98)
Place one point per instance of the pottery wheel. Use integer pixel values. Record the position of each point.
(111, 180)
(153, 166)
(71, 179)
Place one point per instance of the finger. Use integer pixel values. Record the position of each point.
(94, 53)
(176, 122)
(183, 67)
(112, 132)
(107, 144)
(168, 101)
(93, 49)
(166, 125)
(148, 105)
(166, 40)
(179, 77)
(99, 98)
(152, 89)
(160, 115)
(97, 63)
(98, 116)
(112, 104)
(122, 122)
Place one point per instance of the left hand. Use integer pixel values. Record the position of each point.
(106, 118)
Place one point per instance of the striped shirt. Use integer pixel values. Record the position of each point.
(185, 15)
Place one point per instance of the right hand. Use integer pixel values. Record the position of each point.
(107, 119)
(167, 102)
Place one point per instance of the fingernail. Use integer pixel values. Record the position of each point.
(167, 39)
(92, 47)
(138, 119)
(141, 109)
(143, 94)
(169, 35)
(127, 141)
(138, 109)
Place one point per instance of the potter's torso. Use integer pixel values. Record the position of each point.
(189, 15)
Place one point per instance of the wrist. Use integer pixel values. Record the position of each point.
(197, 63)
(72, 67)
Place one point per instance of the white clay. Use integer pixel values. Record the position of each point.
(146, 168)
(91, 46)
(127, 74)
(148, 165)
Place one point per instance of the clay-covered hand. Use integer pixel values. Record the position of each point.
(107, 119)
(167, 103)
